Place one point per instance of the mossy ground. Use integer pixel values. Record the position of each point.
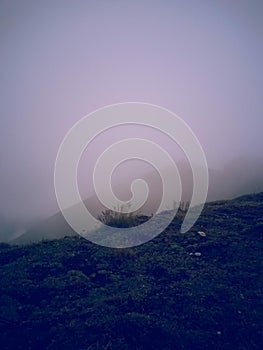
(72, 294)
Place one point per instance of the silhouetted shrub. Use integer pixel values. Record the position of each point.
(120, 219)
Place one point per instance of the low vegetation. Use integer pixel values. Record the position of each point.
(120, 219)
(178, 291)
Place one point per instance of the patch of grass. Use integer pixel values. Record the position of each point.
(117, 217)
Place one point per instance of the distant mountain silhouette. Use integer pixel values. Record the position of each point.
(239, 177)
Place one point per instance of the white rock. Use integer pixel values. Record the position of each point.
(198, 254)
(202, 233)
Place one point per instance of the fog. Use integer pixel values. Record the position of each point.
(61, 60)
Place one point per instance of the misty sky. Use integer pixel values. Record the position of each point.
(61, 60)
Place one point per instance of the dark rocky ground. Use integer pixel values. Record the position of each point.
(179, 291)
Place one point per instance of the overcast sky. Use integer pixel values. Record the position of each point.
(60, 60)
